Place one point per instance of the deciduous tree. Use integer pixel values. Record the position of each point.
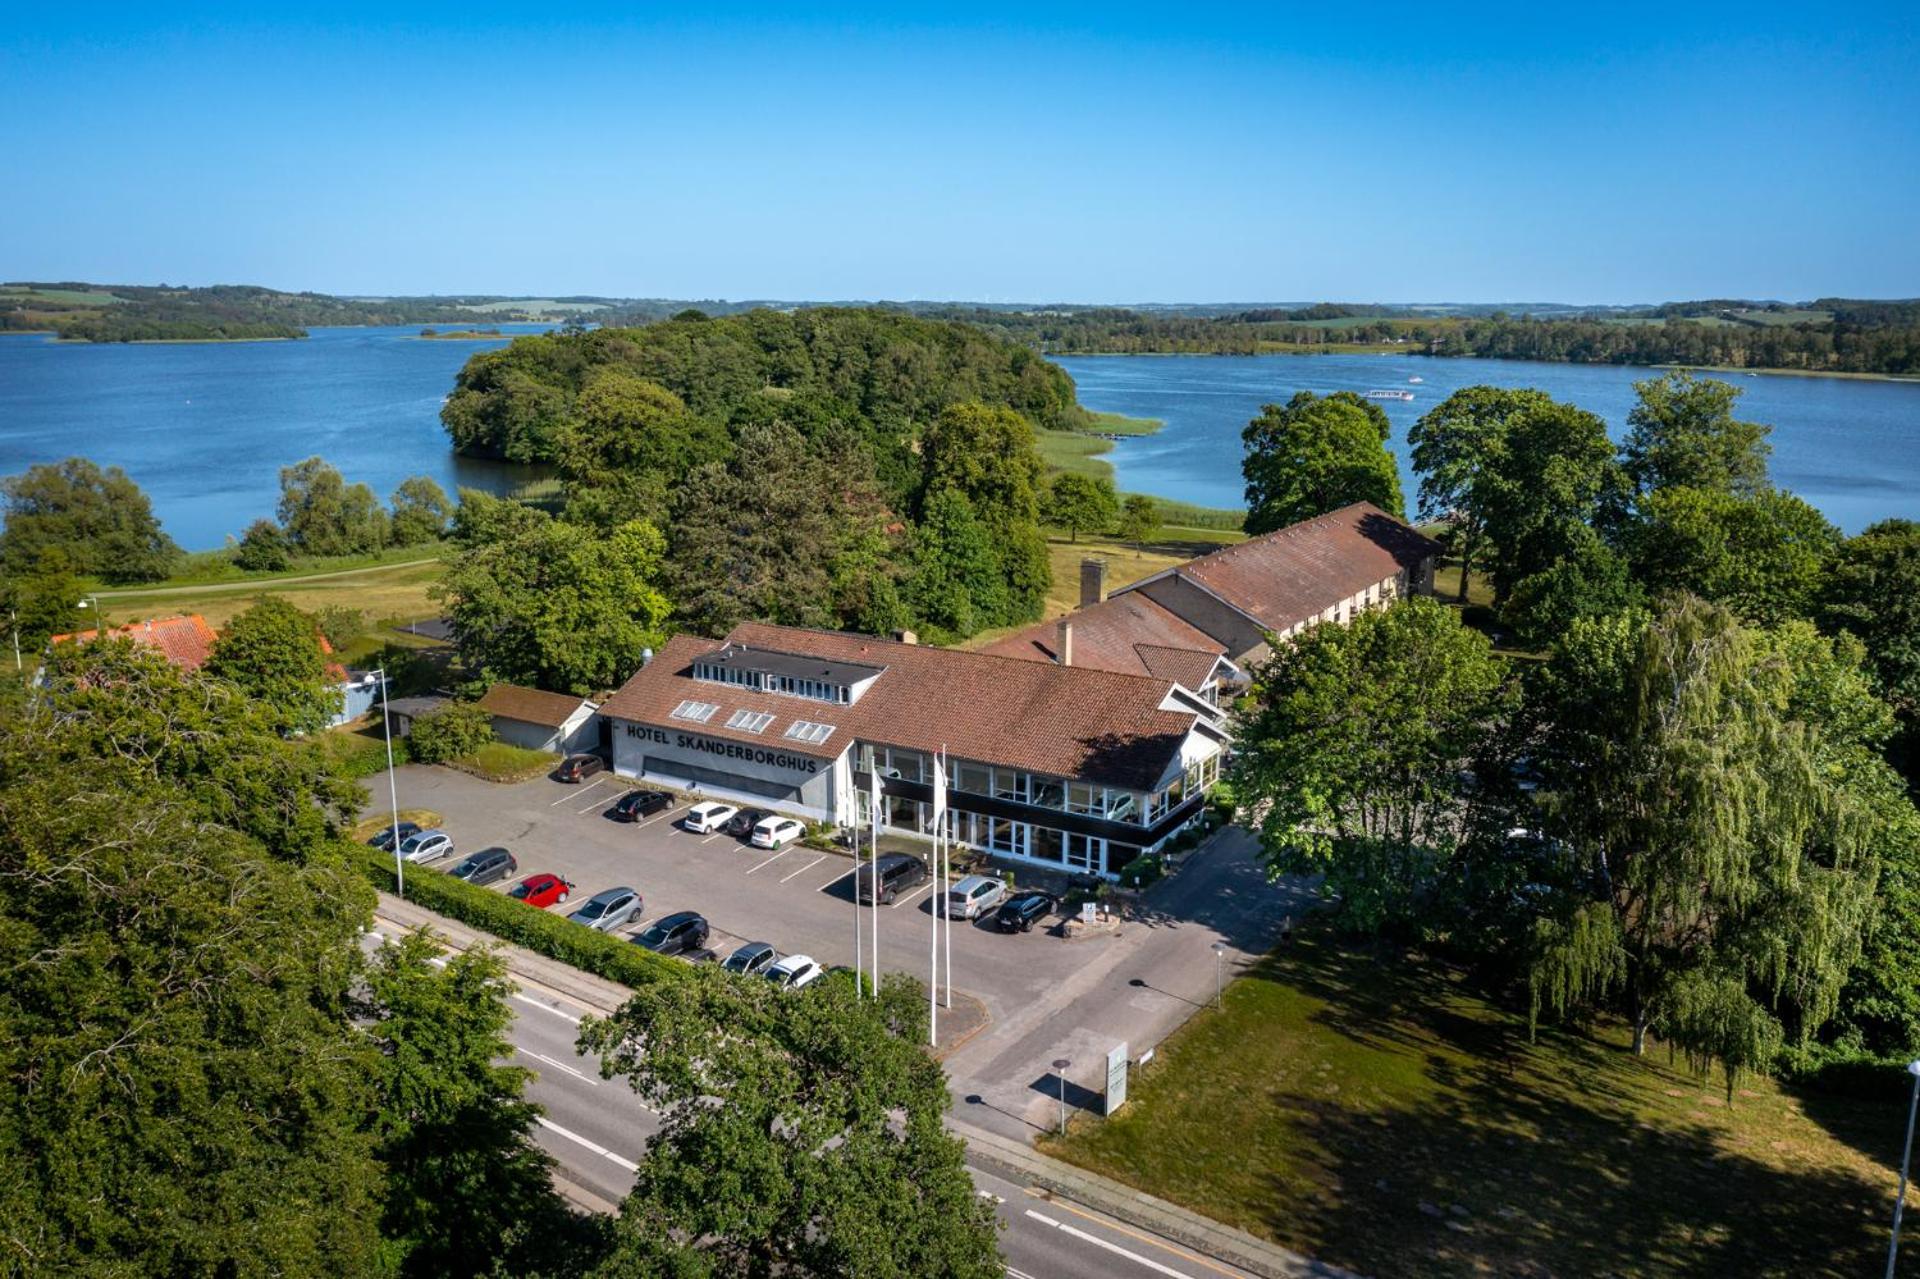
(1317, 454)
(1683, 435)
(1548, 480)
(263, 548)
(272, 653)
(1455, 445)
(98, 519)
(324, 515)
(800, 1134)
(1764, 554)
(1081, 502)
(1357, 752)
(1139, 519)
(420, 512)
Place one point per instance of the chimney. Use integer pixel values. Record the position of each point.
(1063, 648)
(907, 637)
(1093, 581)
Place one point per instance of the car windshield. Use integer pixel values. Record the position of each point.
(593, 910)
(653, 936)
(741, 960)
(520, 890)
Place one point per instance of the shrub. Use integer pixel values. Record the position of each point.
(1142, 870)
(341, 625)
(1221, 800)
(357, 754)
(554, 936)
(264, 548)
(452, 731)
(505, 762)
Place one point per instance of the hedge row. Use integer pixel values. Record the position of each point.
(554, 936)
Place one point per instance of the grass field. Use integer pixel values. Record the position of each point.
(1377, 1114)
(1121, 424)
(383, 591)
(67, 297)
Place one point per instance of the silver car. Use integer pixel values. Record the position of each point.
(426, 846)
(608, 909)
(974, 896)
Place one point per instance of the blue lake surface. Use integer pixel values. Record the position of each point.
(1849, 446)
(205, 427)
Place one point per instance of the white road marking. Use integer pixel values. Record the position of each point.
(716, 835)
(564, 799)
(988, 1194)
(666, 815)
(594, 1146)
(593, 803)
(1098, 1242)
(588, 1080)
(909, 898)
(771, 860)
(549, 1008)
(804, 869)
(1017, 1274)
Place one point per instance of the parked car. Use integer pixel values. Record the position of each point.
(975, 896)
(754, 957)
(776, 832)
(1020, 912)
(741, 824)
(426, 846)
(383, 838)
(636, 805)
(674, 934)
(708, 818)
(542, 890)
(485, 866)
(795, 971)
(608, 909)
(578, 768)
(897, 871)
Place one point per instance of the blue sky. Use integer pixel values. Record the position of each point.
(1107, 154)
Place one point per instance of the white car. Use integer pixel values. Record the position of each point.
(707, 818)
(426, 846)
(975, 895)
(777, 832)
(795, 971)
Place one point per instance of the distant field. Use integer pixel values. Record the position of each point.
(393, 591)
(1074, 451)
(70, 297)
(535, 306)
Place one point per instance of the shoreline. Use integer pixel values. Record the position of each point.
(1408, 350)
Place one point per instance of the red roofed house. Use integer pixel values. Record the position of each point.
(186, 640)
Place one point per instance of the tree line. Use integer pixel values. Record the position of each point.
(1688, 802)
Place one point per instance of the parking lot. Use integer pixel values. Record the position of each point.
(798, 899)
(1045, 998)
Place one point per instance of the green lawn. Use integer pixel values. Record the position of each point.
(1121, 424)
(1376, 1113)
(500, 762)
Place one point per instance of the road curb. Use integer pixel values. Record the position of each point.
(596, 994)
(1019, 1162)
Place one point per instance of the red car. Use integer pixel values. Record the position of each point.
(541, 890)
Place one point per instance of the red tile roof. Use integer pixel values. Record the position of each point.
(186, 641)
(1131, 634)
(1294, 574)
(530, 705)
(1061, 721)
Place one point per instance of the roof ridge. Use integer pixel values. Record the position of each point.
(967, 652)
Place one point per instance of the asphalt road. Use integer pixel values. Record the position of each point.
(597, 1130)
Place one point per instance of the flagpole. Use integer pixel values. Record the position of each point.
(859, 935)
(946, 863)
(873, 829)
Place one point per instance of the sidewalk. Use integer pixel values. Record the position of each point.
(1020, 1163)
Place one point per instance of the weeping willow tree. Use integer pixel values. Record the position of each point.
(1728, 866)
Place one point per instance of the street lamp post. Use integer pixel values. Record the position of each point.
(1219, 964)
(1060, 1065)
(14, 617)
(393, 788)
(1900, 1203)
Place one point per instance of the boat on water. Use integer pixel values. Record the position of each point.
(1389, 395)
(1416, 378)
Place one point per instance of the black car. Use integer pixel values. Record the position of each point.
(578, 768)
(896, 872)
(383, 839)
(741, 824)
(674, 934)
(1020, 912)
(485, 866)
(754, 957)
(637, 804)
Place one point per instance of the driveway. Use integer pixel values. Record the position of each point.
(1045, 997)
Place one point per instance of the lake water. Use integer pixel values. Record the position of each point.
(1849, 446)
(205, 427)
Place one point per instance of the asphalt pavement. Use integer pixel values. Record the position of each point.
(597, 1131)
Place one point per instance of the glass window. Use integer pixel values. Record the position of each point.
(1046, 844)
(910, 765)
(972, 778)
(1009, 783)
(1082, 798)
(1006, 837)
(1123, 806)
(1047, 792)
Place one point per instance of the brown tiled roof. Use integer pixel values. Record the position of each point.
(1293, 574)
(1131, 634)
(1062, 721)
(530, 705)
(185, 640)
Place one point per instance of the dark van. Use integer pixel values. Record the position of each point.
(897, 871)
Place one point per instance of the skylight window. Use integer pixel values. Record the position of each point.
(698, 712)
(806, 731)
(750, 721)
